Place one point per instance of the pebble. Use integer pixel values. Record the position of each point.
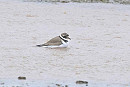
(21, 78)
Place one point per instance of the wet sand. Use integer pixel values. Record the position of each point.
(99, 51)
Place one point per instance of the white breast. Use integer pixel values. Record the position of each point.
(64, 44)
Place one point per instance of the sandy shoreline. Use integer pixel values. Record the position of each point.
(99, 50)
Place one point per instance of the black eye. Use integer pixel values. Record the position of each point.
(64, 36)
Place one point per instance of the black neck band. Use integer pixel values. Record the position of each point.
(63, 39)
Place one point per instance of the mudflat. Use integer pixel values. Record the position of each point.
(99, 51)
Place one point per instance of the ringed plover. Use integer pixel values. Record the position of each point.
(59, 41)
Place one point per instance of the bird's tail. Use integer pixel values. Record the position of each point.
(39, 45)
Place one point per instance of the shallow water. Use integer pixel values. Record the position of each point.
(45, 83)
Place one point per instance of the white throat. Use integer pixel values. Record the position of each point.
(65, 44)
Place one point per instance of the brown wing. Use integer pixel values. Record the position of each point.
(54, 41)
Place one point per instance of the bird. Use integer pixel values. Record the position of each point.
(59, 41)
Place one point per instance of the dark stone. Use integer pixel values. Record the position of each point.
(21, 78)
(82, 82)
(66, 85)
(64, 1)
(2, 83)
(58, 85)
